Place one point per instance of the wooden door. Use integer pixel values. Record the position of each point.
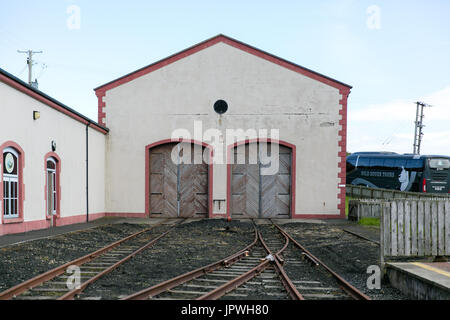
(245, 183)
(276, 189)
(177, 189)
(193, 185)
(254, 194)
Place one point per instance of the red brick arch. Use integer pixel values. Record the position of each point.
(21, 160)
(58, 183)
(147, 171)
(266, 140)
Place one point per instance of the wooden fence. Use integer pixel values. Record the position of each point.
(415, 228)
(388, 194)
(364, 208)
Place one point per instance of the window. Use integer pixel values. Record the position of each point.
(439, 163)
(51, 186)
(363, 162)
(220, 106)
(10, 183)
(376, 162)
(414, 164)
(389, 163)
(351, 163)
(399, 163)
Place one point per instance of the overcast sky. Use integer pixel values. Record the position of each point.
(393, 53)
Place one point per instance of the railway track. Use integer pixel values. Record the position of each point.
(58, 283)
(313, 278)
(273, 266)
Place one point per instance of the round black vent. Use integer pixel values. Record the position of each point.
(220, 106)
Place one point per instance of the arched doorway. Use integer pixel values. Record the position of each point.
(261, 188)
(52, 170)
(178, 185)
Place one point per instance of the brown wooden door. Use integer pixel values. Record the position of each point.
(177, 189)
(255, 195)
(244, 183)
(193, 186)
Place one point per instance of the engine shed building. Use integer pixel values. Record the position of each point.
(67, 167)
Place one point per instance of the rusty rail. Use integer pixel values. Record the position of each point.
(285, 280)
(247, 276)
(53, 273)
(236, 282)
(181, 279)
(71, 294)
(346, 286)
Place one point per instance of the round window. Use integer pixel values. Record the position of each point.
(220, 106)
(9, 162)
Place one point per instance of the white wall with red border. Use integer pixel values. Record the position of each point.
(262, 92)
(18, 129)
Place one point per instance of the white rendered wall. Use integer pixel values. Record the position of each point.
(35, 136)
(260, 95)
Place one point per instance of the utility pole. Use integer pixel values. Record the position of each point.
(30, 63)
(418, 126)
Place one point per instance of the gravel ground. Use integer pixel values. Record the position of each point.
(186, 248)
(299, 269)
(189, 246)
(347, 255)
(24, 261)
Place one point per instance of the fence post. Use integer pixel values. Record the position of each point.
(441, 229)
(394, 228)
(434, 228)
(407, 226)
(383, 233)
(420, 228)
(414, 228)
(427, 228)
(447, 227)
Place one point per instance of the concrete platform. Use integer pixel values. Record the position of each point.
(421, 280)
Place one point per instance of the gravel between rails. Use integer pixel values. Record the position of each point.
(305, 276)
(347, 255)
(184, 249)
(24, 261)
(188, 247)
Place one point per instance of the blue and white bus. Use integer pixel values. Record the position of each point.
(405, 172)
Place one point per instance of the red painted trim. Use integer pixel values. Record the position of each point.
(21, 160)
(318, 216)
(127, 214)
(100, 91)
(267, 140)
(101, 104)
(79, 218)
(48, 102)
(147, 171)
(58, 184)
(44, 223)
(342, 151)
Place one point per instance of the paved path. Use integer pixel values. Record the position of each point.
(10, 239)
(370, 233)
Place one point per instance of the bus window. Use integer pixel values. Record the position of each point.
(376, 162)
(363, 162)
(400, 163)
(389, 163)
(414, 164)
(351, 163)
(439, 163)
